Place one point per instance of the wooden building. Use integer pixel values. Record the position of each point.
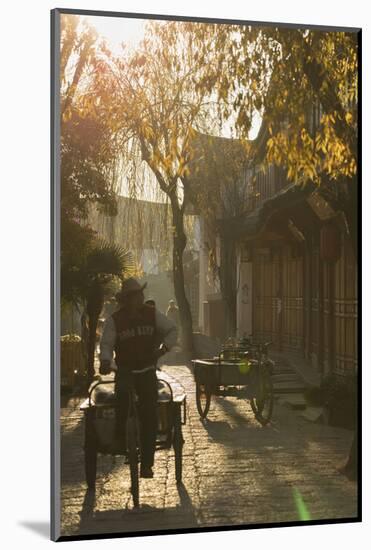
(296, 275)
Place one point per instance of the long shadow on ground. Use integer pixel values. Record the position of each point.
(130, 520)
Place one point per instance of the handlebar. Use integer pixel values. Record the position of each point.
(113, 368)
(162, 348)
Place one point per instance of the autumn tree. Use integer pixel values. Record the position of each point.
(87, 148)
(88, 176)
(87, 144)
(304, 85)
(153, 105)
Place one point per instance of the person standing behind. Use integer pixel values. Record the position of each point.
(133, 334)
(173, 312)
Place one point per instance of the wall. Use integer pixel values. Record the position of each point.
(302, 302)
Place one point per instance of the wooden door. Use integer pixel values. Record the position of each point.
(316, 305)
(266, 304)
(292, 300)
(345, 311)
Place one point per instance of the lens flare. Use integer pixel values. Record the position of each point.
(301, 508)
(244, 367)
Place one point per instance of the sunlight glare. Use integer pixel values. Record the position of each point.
(118, 30)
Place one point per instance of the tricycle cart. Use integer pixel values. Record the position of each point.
(243, 372)
(99, 414)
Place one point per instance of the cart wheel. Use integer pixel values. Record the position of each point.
(132, 439)
(262, 404)
(90, 449)
(203, 398)
(178, 444)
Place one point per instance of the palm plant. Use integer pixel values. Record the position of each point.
(87, 282)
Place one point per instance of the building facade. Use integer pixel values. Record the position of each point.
(297, 275)
(296, 272)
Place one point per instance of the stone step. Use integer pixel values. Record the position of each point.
(293, 401)
(288, 387)
(314, 414)
(278, 377)
(283, 370)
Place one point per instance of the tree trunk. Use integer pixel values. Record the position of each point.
(228, 282)
(85, 338)
(93, 323)
(179, 244)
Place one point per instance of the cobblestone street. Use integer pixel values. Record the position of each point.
(234, 472)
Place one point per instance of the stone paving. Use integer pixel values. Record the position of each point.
(234, 472)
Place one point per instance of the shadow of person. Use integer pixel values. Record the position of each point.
(42, 528)
(143, 518)
(121, 520)
(185, 500)
(88, 504)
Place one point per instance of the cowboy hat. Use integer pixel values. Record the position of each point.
(129, 286)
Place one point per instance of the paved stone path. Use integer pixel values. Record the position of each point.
(234, 472)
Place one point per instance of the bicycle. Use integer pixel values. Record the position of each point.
(99, 411)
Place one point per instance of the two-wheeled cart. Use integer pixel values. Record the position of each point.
(243, 372)
(99, 413)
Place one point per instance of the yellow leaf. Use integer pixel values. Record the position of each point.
(348, 118)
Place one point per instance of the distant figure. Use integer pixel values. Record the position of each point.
(172, 312)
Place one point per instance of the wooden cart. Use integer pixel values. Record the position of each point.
(99, 413)
(244, 377)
